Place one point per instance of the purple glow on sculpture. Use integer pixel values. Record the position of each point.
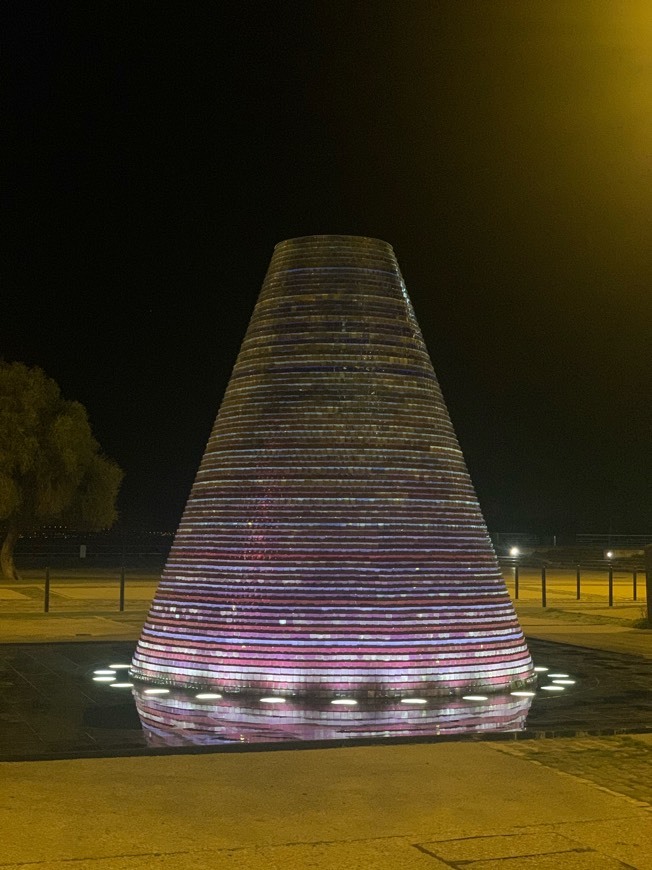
(332, 543)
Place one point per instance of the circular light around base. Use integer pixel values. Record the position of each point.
(272, 700)
(564, 682)
(552, 688)
(344, 702)
(475, 698)
(523, 694)
(207, 696)
(156, 692)
(540, 669)
(103, 679)
(413, 701)
(121, 685)
(104, 672)
(560, 676)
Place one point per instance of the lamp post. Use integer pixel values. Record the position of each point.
(514, 552)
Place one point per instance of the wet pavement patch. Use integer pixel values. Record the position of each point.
(50, 707)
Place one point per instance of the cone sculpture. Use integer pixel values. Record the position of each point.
(332, 544)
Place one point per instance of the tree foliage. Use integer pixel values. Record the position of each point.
(51, 467)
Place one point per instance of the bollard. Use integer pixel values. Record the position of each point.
(543, 587)
(634, 584)
(611, 586)
(516, 581)
(122, 589)
(578, 582)
(648, 584)
(46, 592)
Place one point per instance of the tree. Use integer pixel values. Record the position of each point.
(51, 466)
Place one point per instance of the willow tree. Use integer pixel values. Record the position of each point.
(51, 467)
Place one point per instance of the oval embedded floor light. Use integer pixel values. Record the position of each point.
(121, 667)
(564, 682)
(105, 672)
(156, 691)
(414, 700)
(104, 679)
(272, 700)
(523, 694)
(332, 542)
(539, 669)
(121, 685)
(344, 702)
(207, 696)
(561, 676)
(552, 688)
(475, 697)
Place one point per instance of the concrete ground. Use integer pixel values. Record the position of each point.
(582, 802)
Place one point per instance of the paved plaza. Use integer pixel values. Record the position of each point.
(540, 804)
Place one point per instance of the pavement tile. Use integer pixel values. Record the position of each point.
(568, 861)
(384, 854)
(620, 763)
(629, 838)
(505, 846)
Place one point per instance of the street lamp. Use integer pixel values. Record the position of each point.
(514, 552)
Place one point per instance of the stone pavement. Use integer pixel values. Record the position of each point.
(441, 805)
(582, 802)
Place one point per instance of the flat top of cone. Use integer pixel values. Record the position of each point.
(336, 237)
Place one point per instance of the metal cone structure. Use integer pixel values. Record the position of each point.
(332, 544)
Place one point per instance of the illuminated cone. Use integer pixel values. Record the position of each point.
(332, 543)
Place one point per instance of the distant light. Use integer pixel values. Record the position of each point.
(514, 551)
(207, 696)
(272, 700)
(560, 676)
(552, 688)
(609, 554)
(540, 669)
(104, 671)
(156, 692)
(121, 685)
(347, 702)
(564, 682)
(475, 697)
(413, 701)
(103, 679)
(523, 694)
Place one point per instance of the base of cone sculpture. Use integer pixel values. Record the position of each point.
(332, 544)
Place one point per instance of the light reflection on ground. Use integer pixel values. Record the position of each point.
(179, 718)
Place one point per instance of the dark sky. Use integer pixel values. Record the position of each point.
(159, 150)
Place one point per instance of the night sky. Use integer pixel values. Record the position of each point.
(159, 150)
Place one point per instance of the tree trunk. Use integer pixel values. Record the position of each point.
(7, 555)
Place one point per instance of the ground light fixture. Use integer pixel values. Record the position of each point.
(186, 716)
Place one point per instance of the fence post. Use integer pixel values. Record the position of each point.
(634, 584)
(648, 582)
(46, 592)
(516, 581)
(611, 586)
(544, 597)
(122, 589)
(578, 582)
